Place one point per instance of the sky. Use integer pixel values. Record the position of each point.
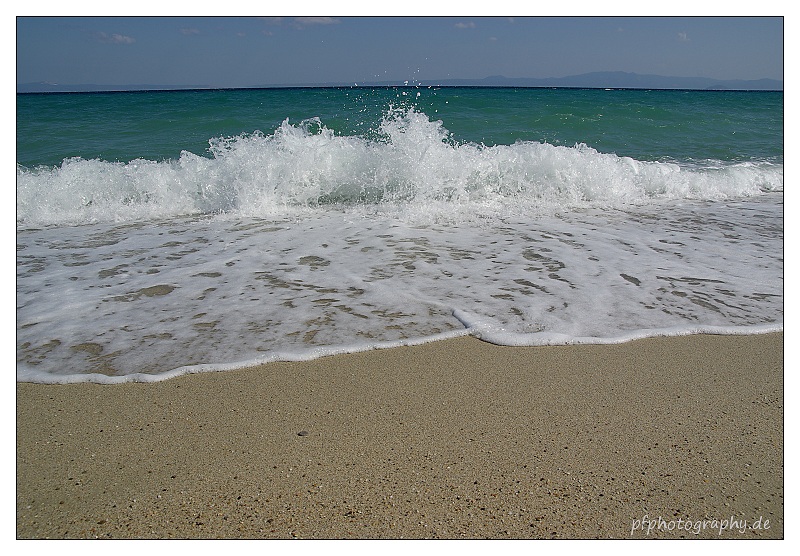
(234, 51)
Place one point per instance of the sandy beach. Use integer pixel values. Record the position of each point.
(659, 438)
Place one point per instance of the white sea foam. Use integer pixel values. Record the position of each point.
(147, 301)
(409, 164)
(302, 243)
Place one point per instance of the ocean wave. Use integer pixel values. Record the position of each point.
(409, 162)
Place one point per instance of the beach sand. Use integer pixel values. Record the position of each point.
(452, 439)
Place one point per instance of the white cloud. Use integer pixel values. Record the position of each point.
(186, 31)
(115, 38)
(299, 22)
(683, 37)
(465, 25)
(303, 21)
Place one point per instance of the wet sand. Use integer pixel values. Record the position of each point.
(453, 439)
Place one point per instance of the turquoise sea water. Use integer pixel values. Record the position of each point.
(168, 232)
(643, 124)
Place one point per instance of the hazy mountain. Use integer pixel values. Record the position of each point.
(624, 80)
(594, 80)
(43, 87)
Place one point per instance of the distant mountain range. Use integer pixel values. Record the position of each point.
(623, 80)
(594, 80)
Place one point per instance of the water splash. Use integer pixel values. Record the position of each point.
(408, 163)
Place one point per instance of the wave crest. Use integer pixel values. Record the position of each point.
(410, 161)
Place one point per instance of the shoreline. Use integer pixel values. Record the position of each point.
(34, 377)
(452, 439)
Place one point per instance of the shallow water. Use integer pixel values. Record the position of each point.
(306, 241)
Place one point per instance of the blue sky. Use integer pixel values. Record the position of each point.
(255, 51)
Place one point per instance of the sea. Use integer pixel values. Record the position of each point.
(160, 233)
